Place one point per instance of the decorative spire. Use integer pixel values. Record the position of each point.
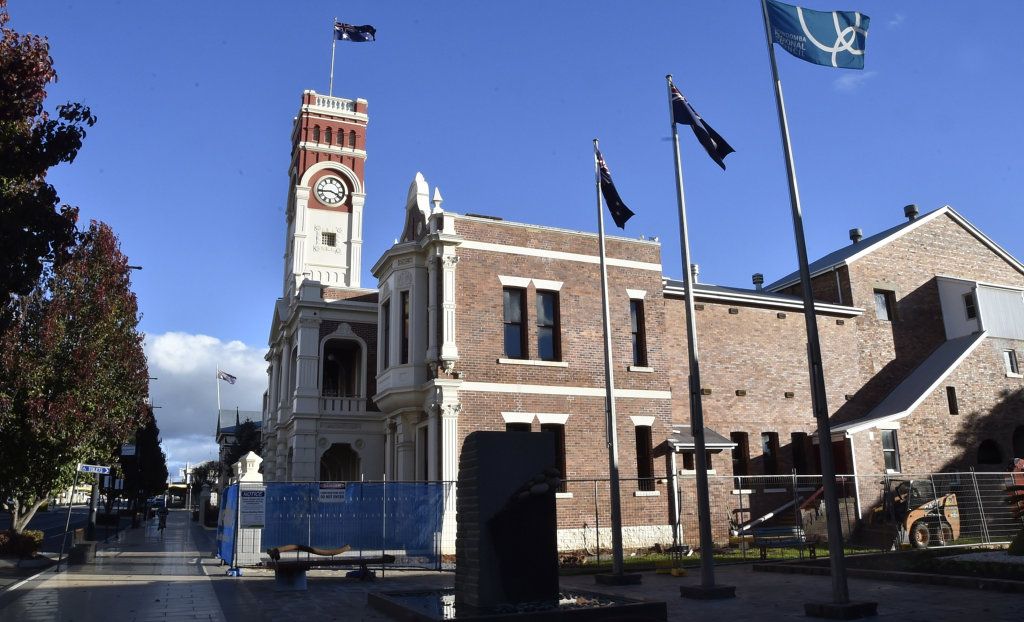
(437, 199)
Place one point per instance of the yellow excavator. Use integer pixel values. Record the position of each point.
(921, 516)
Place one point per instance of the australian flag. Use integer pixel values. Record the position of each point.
(620, 213)
(684, 114)
(359, 34)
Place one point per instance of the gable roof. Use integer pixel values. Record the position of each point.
(852, 252)
(917, 386)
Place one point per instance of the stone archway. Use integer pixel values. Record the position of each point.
(340, 463)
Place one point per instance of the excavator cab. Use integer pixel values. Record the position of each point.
(921, 515)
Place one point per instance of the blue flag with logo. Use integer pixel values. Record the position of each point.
(830, 38)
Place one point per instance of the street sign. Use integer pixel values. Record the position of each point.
(128, 449)
(252, 508)
(92, 468)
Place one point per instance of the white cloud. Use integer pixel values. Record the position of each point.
(185, 366)
(896, 20)
(852, 80)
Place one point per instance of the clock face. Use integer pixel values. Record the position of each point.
(331, 191)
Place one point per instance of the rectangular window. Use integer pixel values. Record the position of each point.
(800, 447)
(548, 347)
(890, 450)
(644, 458)
(954, 408)
(639, 332)
(1010, 360)
(740, 453)
(518, 427)
(969, 307)
(885, 305)
(770, 452)
(404, 355)
(515, 322)
(385, 319)
(329, 239)
(559, 431)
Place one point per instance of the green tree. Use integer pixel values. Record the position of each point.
(145, 472)
(205, 473)
(247, 438)
(73, 375)
(33, 228)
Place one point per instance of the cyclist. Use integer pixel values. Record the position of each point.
(162, 513)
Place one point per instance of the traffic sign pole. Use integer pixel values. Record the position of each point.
(67, 525)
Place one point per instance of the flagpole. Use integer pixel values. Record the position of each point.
(217, 380)
(610, 419)
(334, 45)
(819, 401)
(707, 543)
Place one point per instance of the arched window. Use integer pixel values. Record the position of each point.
(989, 452)
(316, 133)
(328, 136)
(352, 139)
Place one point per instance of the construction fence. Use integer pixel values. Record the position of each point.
(751, 516)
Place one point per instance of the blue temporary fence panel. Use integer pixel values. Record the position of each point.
(226, 525)
(402, 519)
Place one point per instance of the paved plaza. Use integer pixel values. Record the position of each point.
(149, 576)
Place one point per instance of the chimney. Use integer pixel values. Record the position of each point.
(910, 211)
(695, 272)
(856, 235)
(758, 279)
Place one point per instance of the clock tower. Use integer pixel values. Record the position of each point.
(326, 193)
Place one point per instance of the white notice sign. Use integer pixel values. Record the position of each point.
(332, 492)
(252, 506)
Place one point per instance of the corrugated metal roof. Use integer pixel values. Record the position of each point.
(917, 385)
(682, 438)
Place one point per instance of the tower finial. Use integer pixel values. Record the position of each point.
(437, 199)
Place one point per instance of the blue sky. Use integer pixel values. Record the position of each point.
(496, 103)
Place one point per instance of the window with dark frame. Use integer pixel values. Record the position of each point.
(351, 139)
(328, 136)
(885, 305)
(316, 133)
(385, 312)
(799, 445)
(740, 453)
(639, 332)
(969, 306)
(515, 322)
(518, 427)
(404, 355)
(954, 408)
(329, 239)
(548, 346)
(559, 431)
(644, 458)
(890, 450)
(1010, 360)
(770, 452)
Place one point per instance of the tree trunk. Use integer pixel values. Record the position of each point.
(22, 515)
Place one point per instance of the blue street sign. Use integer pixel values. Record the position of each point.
(92, 468)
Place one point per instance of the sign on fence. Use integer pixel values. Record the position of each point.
(332, 492)
(252, 508)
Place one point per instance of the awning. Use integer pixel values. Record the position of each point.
(681, 439)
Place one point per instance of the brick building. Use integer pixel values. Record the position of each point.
(482, 324)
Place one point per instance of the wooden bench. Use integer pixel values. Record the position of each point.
(290, 574)
(781, 537)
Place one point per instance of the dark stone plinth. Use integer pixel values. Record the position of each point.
(626, 578)
(505, 545)
(712, 592)
(82, 553)
(436, 605)
(841, 611)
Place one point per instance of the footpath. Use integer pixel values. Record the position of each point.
(143, 575)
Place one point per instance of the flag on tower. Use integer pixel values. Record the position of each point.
(684, 114)
(358, 34)
(620, 213)
(223, 375)
(830, 38)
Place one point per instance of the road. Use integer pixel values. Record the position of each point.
(52, 524)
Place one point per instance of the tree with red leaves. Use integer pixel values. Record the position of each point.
(73, 375)
(34, 230)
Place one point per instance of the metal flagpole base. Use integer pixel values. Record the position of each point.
(841, 611)
(626, 578)
(713, 592)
